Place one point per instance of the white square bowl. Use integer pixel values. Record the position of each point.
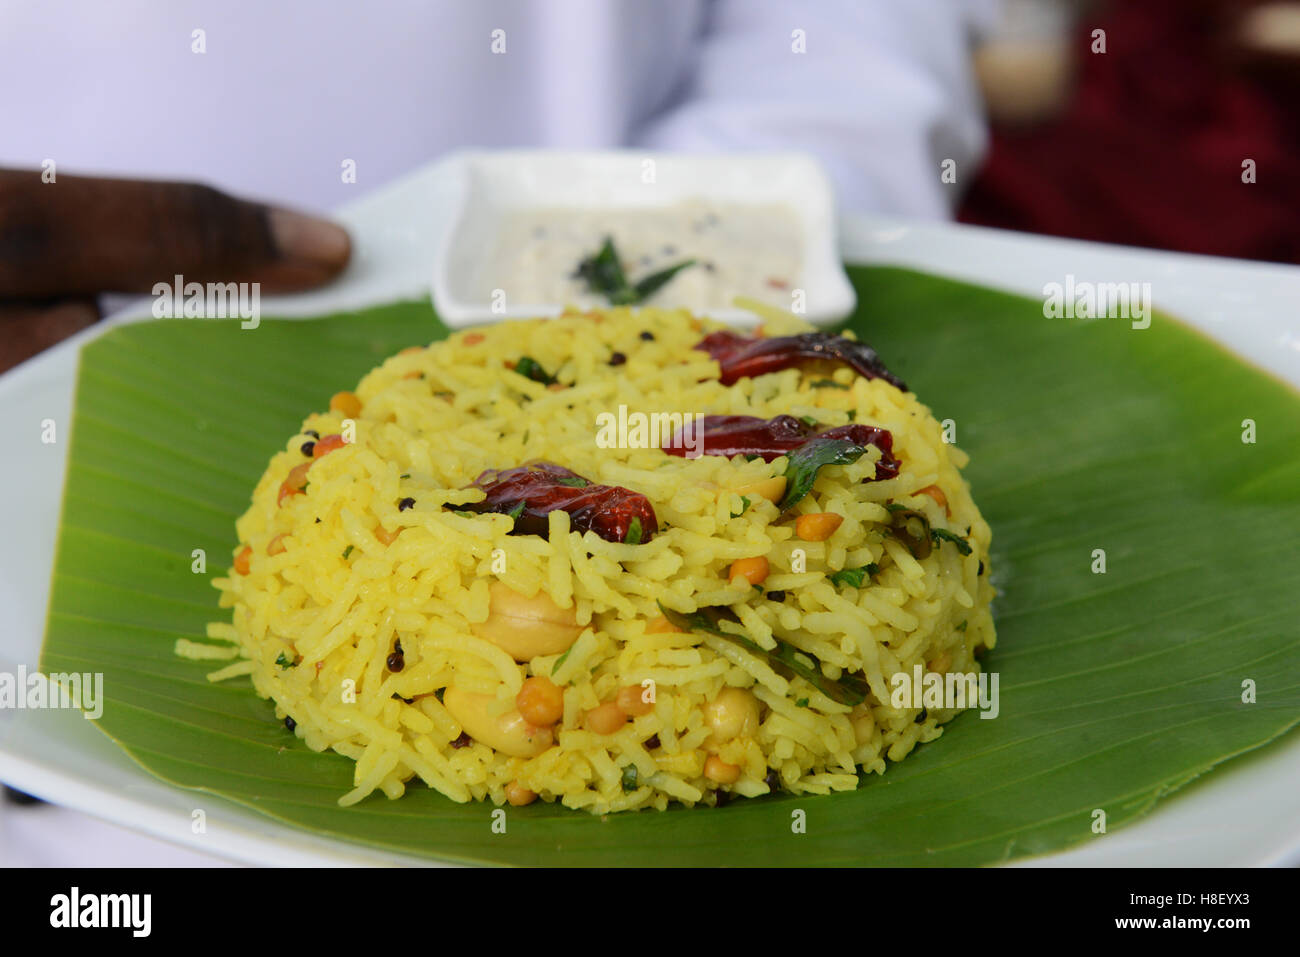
(494, 186)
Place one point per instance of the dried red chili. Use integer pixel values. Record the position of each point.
(772, 438)
(740, 356)
(530, 492)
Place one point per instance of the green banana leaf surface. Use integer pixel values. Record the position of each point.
(1087, 439)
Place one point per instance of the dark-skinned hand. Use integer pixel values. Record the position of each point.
(64, 243)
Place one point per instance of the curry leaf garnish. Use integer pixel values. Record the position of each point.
(577, 481)
(603, 273)
(530, 368)
(912, 529)
(284, 662)
(942, 533)
(854, 577)
(784, 658)
(809, 459)
(561, 660)
(629, 778)
(515, 512)
(744, 506)
(651, 284)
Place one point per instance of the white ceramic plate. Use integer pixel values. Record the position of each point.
(496, 186)
(1246, 812)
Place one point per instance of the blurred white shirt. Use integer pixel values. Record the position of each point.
(286, 91)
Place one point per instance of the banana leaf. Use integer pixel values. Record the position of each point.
(1116, 687)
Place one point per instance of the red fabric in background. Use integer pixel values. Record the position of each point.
(1150, 150)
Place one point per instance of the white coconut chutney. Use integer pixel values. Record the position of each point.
(740, 250)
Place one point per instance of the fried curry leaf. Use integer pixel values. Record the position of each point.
(784, 658)
(914, 530)
(942, 534)
(853, 577)
(809, 459)
(530, 368)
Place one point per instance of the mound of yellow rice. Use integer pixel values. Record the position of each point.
(352, 572)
